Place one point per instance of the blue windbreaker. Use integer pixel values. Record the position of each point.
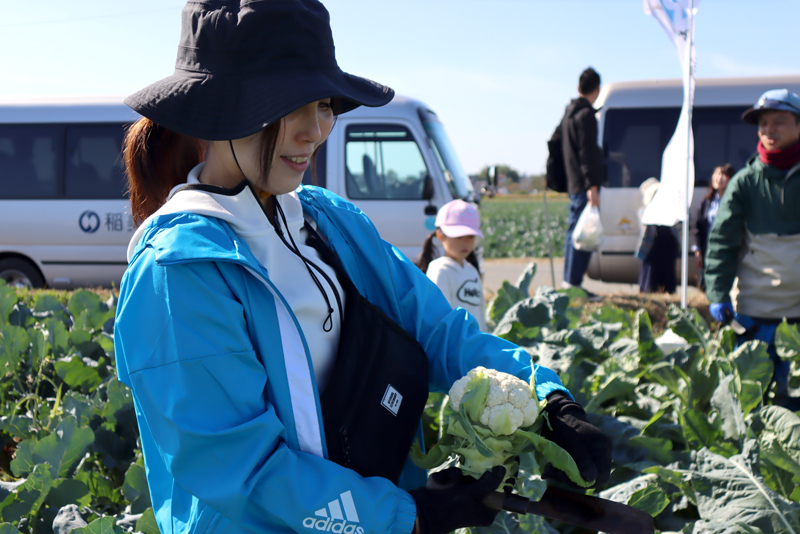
(223, 385)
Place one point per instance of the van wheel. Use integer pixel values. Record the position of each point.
(20, 273)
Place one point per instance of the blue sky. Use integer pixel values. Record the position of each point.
(497, 72)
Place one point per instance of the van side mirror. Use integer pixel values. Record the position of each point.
(427, 188)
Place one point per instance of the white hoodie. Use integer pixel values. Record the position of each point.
(244, 215)
(461, 285)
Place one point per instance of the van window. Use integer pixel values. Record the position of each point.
(93, 165)
(29, 157)
(383, 162)
(634, 140)
(457, 180)
(721, 136)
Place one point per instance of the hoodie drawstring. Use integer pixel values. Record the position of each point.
(327, 325)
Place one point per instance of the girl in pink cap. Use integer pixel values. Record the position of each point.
(456, 273)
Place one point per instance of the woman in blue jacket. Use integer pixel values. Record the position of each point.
(279, 352)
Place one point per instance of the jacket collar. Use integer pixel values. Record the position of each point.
(192, 227)
(578, 104)
(188, 237)
(770, 171)
(239, 207)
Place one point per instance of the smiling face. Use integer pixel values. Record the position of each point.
(778, 129)
(457, 248)
(719, 180)
(302, 131)
(298, 136)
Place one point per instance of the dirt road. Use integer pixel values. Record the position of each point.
(510, 269)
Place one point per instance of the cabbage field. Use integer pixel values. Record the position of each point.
(518, 228)
(697, 442)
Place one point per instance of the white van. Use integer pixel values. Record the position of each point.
(636, 121)
(65, 220)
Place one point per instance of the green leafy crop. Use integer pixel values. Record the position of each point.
(698, 440)
(520, 229)
(67, 427)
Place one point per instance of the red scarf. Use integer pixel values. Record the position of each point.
(782, 158)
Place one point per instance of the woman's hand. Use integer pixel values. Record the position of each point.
(587, 445)
(452, 500)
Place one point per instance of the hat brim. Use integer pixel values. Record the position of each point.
(459, 231)
(218, 108)
(751, 115)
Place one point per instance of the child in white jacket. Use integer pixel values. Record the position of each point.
(456, 273)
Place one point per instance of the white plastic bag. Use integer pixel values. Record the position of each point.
(588, 232)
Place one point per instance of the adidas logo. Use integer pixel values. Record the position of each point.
(338, 517)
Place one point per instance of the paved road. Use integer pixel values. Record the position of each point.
(510, 269)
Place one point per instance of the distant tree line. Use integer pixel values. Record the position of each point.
(509, 175)
(506, 171)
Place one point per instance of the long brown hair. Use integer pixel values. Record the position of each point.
(157, 159)
(429, 253)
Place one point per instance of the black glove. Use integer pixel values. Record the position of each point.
(452, 500)
(587, 445)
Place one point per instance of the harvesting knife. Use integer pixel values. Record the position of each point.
(577, 509)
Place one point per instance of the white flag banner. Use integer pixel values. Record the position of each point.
(674, 195)
(674, 17)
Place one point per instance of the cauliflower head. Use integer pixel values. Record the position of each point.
(496, 421)
(503, 402)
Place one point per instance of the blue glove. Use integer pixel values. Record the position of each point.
(721, 311)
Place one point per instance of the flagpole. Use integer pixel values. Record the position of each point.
(685, 240)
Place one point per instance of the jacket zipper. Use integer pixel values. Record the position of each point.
(274, 290)
(785, 179)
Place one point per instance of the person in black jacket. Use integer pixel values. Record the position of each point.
(706, 214)
(583, 163)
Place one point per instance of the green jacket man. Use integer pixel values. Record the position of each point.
(756, 235)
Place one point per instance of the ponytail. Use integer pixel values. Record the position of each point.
(156, 160)
(429, 253)
(473, 259)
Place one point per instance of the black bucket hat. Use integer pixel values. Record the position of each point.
(243, 64)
